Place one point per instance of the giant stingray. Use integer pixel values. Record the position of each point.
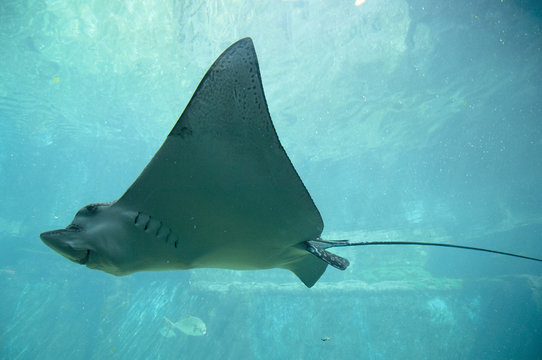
(220, 193)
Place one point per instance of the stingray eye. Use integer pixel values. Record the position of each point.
(91, 209)
(88, 210)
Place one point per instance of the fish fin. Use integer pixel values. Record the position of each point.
(170, 323)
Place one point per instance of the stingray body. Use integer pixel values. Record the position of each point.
(220, 192)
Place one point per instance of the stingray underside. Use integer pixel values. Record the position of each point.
(223, 182)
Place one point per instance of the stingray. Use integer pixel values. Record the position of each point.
(221, 192)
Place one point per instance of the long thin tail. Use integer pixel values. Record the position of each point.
(318, 248)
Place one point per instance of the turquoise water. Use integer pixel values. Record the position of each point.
(406, 120)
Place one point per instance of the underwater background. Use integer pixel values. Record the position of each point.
(406, 119)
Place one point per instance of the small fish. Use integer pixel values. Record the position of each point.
(190, 325)
(326, 338)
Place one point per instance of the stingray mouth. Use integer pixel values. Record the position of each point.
(84, 260)
(59, 241)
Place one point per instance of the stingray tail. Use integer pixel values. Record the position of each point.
(318, 248)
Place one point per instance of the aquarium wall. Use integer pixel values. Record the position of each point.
(406, 121)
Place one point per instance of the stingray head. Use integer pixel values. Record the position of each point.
(87, 240)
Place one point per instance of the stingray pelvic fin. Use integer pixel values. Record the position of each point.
(318, 249)
(308, 269)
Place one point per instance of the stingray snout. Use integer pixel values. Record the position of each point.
(60, 241)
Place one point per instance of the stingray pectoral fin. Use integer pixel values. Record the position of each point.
(334, 260)
(308, 269)
(222, 182)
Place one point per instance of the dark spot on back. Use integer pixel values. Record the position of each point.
(185, 132)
